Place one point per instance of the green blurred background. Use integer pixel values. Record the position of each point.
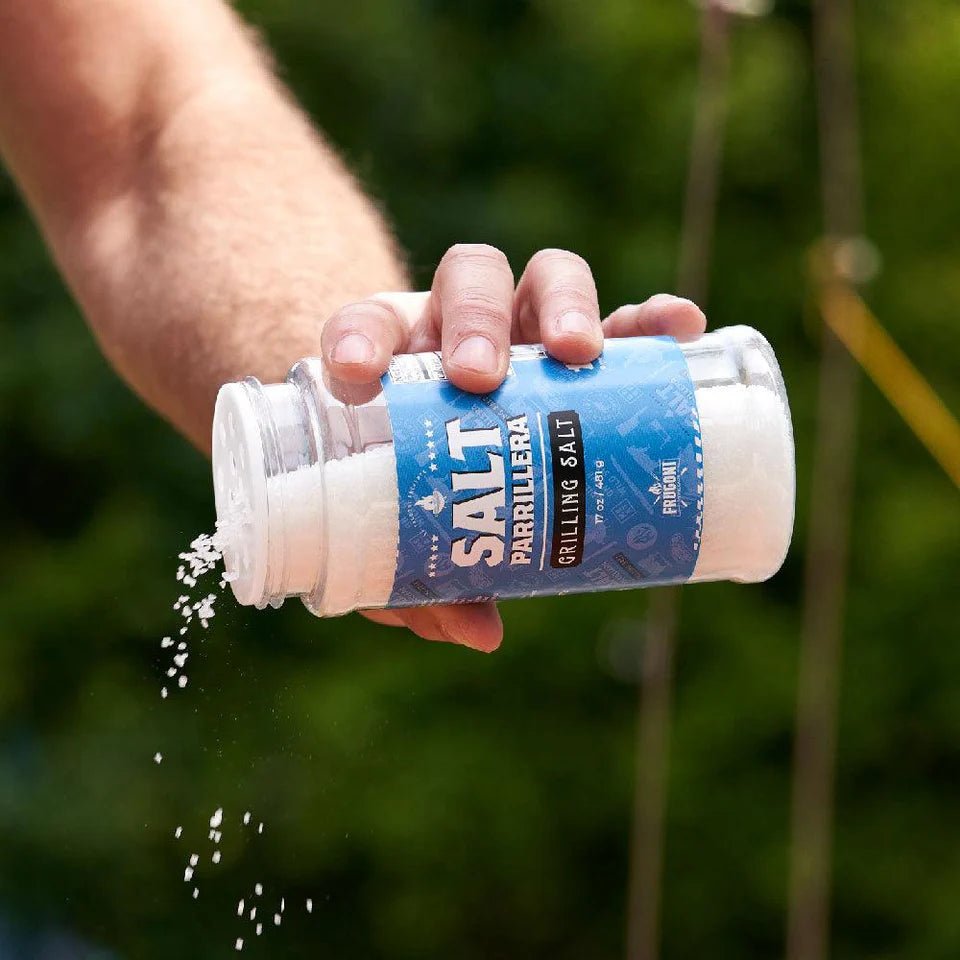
(436, 803)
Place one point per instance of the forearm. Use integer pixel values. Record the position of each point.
(202, 225)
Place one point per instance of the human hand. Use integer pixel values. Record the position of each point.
(472, 314)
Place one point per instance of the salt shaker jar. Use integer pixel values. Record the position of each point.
(660, 462)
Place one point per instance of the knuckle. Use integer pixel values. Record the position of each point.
(551, 258)
(477, 308)
(475, 254)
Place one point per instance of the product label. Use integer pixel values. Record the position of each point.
(569, 477)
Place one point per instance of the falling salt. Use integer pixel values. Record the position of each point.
(259, 929)
(166, 642)
(181, 682)
(246, 817)
(216, 818)
(187, 874)
(216, 856)
(253, 913)
(178, 833)
(309, 905)
(194, 859)
(240, 908)
(239, 943)
(260, 828)
(157, 757)
(196, 893)
(276, 919)
(163, 692)
(258, 889)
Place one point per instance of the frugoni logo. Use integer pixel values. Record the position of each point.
(666, 488)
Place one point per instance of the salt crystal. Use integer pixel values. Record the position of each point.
(259, 929)
(181, 645)
(258, 889)
(240, 909)
(166, 642)
(260, 828)
(163, 692)
(215, 836)
(157, 757)
(196, 893)
(276, 919)
(178, 833)
(283, 904)
(181, 658)
(182, 682)
(217, 818)
(183, 630)
(239, 943)
(194, 859)
(309, 905)
(216, 856)
(246, 817)
(253, 913)
(172, 672)
(187, 874)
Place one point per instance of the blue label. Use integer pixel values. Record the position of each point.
(567, 478)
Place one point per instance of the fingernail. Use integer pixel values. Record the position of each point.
(574, 322)
(476, 353)
(353, 348)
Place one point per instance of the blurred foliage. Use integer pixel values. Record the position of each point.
(435, 803)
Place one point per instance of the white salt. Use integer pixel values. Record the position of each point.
(181, 682)
(260, 828)
(216, 856)
(309, 905)
(157, 757)
(240, 908)
(246, 817)
(276, 919)
(216, 818)
(239, 943)
(163, 692)
(253, 913)
(178, 833)
(187, 874)
(194, 859)
(196, 893)
(166, 642)
(259, 929)
(258, 889)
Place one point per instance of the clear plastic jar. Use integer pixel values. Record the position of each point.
(292, 462)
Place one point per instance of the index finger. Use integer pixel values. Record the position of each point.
(473, 303)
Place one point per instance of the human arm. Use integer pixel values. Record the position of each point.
(209, 233)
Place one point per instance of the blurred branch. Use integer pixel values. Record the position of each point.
(854, 324)
(831, 493)
(655, 693)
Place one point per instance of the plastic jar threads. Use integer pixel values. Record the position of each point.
(661, 462)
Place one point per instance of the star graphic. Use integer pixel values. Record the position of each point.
(431, 444)
(432, 574)
(436, 539)
(428, 423)
(432, 455)
(433, 466)
(429, 433)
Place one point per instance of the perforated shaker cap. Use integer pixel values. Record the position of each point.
(240, 492)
